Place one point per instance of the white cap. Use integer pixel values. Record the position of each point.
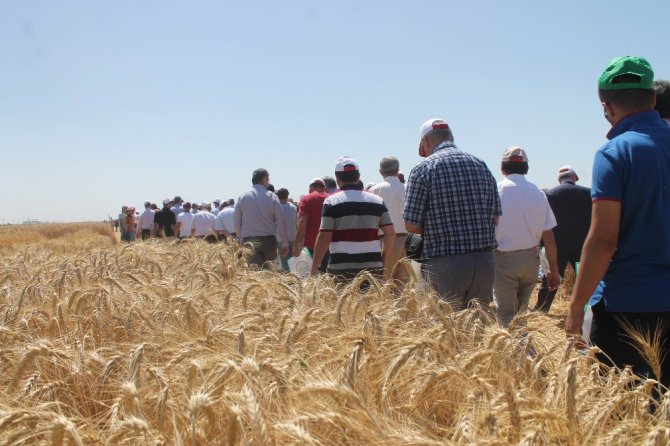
(346, 164)
(568, 169)
(318, 181)
(204, 204)
(166, 201)
(432, 124)
(217, 200)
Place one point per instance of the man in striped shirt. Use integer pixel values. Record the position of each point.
(349, 225)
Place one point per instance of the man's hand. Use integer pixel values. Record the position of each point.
(314, 271)
(553, 281)
(573, 325)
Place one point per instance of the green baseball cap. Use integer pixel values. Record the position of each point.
(627, 65)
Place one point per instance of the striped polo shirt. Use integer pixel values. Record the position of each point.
(354, 217)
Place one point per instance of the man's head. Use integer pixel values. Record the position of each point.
(567, 173)
(177, 200)
(270, 187)
(401, 177)
(217, 202)
(514, 160)
(329, 182)
(206, 205)
(154, 206)
(231, 201)
(124, 208)
(662, 90)
(317, 184)
(346, 171)
(260, 177)
(282, 194)
(389, 167)
(625, 87)
(166, 203)
(147, 204)
(187, 207)
(433, 132)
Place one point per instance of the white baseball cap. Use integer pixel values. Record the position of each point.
(166, 201)
(566, 169)
(217, 200)
(432, 124)
(346, 164)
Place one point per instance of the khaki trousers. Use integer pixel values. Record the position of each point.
(515, 280)
(394, 269)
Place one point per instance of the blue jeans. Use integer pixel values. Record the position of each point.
(463, 278)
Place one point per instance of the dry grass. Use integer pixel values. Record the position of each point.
(161, 343)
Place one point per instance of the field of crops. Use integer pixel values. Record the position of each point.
(165, 343)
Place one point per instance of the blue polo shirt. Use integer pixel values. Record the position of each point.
(633, 168)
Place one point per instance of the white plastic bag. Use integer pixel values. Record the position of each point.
(301, 265)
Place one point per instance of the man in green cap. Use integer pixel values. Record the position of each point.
(625, 268)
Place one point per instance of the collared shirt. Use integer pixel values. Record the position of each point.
(289, 214)
(454, 196)
(526, 214)
(203, 222)
(392, 191)
(258, 214)
(226, 220)
(146, 220)
(633, 168)
(177, 209)
(311, 208)
(354, 217)
(185, 219)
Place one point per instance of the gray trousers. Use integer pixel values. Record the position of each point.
(264, 249)
(515, 280)
(462, 279)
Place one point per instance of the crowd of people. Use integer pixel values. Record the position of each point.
(480, 239)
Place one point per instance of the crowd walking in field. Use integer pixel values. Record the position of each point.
(481, 240)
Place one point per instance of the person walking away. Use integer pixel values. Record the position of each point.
(203, 224)
(392, 191)
(452, 201)
(146, 221)
(165, 220)
(309, 220)
(125, 237)
(184, 222)
(526, 221)
(130, 223)
(349, 226)
(258, 220)
(625, 267)
(662, 90)
(289, 214)
(571, 205)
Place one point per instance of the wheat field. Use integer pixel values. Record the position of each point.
(181, 344)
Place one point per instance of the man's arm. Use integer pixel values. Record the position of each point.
(413, 228)
(597, 253)
(320, 248)
(387, 248)
(300, 235)
(551, 251)
(237, 217)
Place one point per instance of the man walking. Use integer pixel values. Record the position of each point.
(526, 221)
(571, 205)
(258, 220)
(145, 222)
(625, 267)
(392, 191)
(452, 200)
(309, 220)
(203, 224)
(289, 214)
(184, 221)
(349, 226)
(165, 220)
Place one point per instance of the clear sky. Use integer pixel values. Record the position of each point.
(104, 103)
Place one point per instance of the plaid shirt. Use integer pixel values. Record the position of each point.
(454, 196)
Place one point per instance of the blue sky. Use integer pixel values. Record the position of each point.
(107, 103)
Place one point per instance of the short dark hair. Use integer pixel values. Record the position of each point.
(348, 177)
(282, 193)
(630, 98)
(259, 175)
(511, 168)
(662, 89)
(329, 182)
(271, 187)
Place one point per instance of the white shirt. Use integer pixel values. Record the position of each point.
(226, 220)
(392, 191)
(185, 219)
(216, 211)
(289, 214)
(526, 214)
(203, 222)
(146, 220)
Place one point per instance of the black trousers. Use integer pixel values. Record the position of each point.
(566, 254)
(607, 332)
(146, 234)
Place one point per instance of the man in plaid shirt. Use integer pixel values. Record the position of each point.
(452, 200)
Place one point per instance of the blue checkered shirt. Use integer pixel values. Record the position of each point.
(454, 196)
